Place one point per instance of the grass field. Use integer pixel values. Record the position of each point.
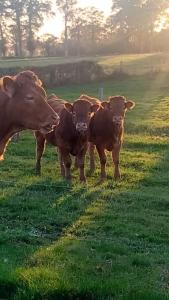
(60, 241)
(137, 64)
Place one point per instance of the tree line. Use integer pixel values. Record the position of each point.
(134, 26)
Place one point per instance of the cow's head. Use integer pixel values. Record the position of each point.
(117, 106)
(82, 111)
(27, 104)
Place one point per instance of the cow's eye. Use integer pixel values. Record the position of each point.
(29, 98)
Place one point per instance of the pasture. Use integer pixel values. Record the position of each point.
(137, 64)
(109, 241)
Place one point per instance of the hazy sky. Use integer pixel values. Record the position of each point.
(55, 25)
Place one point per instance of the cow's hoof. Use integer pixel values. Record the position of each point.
(83, 180)
(90, 172)
(68, 178)
(37, 172)
(101, 180)
(117, 178)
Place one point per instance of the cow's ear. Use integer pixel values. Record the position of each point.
(105, 104)
(95, 107)
(9, 86)
(130, 104)
(69, 107)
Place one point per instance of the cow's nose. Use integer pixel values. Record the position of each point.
(118, 119)
(81, 126)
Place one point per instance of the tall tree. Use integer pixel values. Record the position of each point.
(36, 11)
(49, 44)
(77, 29)
(137, 18)
(67, 8)
(17, 15)
(4, 13)
(87, 28)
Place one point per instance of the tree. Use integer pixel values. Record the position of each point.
(87, 29)
(49, 43)
(137, 18)
(67, 8)
(77, 30)
(3, 28)
(36, 10)
(17, 15)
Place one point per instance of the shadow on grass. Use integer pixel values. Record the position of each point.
(33, 216)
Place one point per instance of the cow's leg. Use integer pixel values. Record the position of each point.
(67, 163)
(62, 167)
(80, 162)
(40, 147)
(92, 158)
(102, 156)
(115, 156)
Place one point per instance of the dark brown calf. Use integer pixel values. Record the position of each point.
(106, 131)
(70, 136)
(23, 106)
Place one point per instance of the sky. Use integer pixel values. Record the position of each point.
(55, 25)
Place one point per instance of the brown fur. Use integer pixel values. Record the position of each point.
(92, 99)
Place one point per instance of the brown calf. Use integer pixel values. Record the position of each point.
(23, 106)
(106, 131)
(70, 136)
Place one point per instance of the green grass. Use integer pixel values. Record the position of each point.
(60, 241)
(137, 64)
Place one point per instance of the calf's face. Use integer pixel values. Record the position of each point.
(82, 111)
(117, 106)
(28, 106)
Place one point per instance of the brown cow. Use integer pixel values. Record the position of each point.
(23, 106)
(107, 128)
(70, 136)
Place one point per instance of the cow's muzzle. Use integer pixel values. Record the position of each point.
(81, 127)
(52, 122)
(118, 120)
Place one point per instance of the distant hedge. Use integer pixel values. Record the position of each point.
(62, 74)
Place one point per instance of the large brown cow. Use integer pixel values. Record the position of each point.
(70, 136)
(23, 106)
(107, 128)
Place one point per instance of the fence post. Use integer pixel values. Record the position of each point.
(121, 67)
(101, 92)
